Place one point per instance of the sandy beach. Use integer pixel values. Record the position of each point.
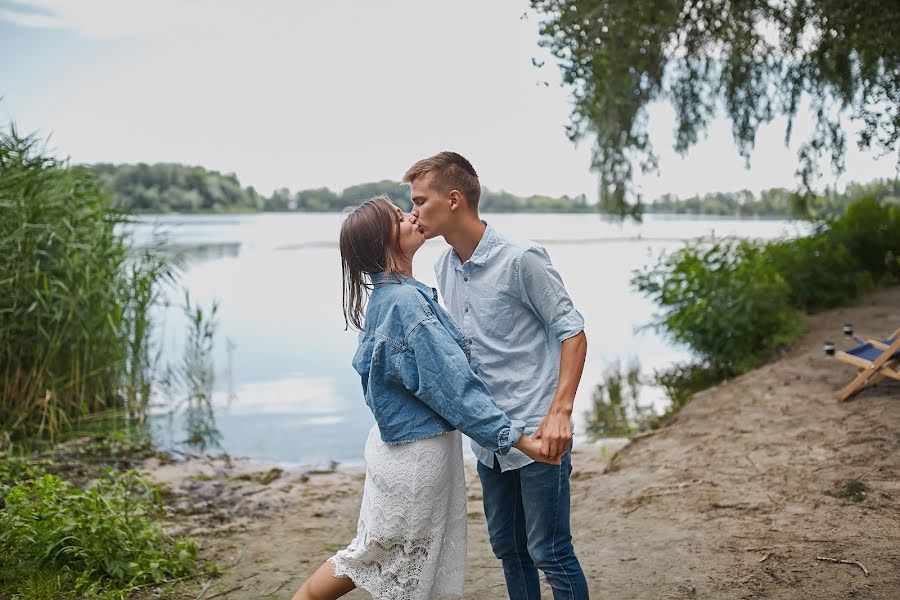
(735, 498)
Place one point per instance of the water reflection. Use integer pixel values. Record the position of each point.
(284, 388)
(188, 383)
(189, 255)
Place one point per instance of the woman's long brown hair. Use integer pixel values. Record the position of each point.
(369, 243)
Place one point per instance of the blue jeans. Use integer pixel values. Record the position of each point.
(527, 513)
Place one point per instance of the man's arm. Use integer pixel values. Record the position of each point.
(543, 290)
(555, 431)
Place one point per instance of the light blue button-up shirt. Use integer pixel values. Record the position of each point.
(511, 305)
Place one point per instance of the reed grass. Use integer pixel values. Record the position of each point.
(75, 324)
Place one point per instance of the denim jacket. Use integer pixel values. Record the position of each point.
(414, 366)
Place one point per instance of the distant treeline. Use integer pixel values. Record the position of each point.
(167, 187)
(323, 199)
(778, 202)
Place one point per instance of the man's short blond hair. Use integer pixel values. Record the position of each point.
(449, 171)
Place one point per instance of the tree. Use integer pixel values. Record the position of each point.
(757, 59)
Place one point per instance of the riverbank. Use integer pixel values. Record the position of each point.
(735, 498)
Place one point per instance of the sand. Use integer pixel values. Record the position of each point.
(735, 498)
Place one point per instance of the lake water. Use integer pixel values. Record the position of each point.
(285, 390)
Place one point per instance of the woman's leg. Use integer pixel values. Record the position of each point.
(323, 585)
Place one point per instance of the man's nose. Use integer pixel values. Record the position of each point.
(413, 217)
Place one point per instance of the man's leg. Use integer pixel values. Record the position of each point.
(506, 525)
(545, 498)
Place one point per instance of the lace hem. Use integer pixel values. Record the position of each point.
(373, 582)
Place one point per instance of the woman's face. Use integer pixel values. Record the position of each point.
(410, 237)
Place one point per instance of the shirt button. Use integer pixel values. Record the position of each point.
(467, 309)
(476, 371)
(465, 278)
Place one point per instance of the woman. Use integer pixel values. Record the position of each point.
(413, 361)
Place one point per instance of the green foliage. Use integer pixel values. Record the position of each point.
(756, 59)
(779, 201)
(167, 187)
(734, 302)
(871, 233)
(680, 382)
(510, 203)
(324, 200)
(822, 273)
(723, 300)
(615, 411)
(73, 303)
(100, 541)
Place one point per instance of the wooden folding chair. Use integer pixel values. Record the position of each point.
(875, 359)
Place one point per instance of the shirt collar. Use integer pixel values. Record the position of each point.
(386, 278)
(482, 250)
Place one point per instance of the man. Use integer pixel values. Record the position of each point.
(527, 344)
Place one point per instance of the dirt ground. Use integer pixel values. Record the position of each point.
(734, 499)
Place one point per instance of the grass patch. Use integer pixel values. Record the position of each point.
(62, 541)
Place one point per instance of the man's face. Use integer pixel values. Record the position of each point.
(431, 209)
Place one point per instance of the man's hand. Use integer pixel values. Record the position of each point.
(555, 434)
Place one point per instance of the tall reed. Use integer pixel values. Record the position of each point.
(74, 305)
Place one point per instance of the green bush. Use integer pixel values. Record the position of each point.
(821, 272)
(871, 233)
(725, 301)
(101, 541)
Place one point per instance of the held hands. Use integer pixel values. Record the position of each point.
(532, 449)
(555, 434)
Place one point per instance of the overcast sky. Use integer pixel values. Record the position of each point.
(332, 93)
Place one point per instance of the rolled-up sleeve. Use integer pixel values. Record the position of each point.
(542, 288)
(436, 370)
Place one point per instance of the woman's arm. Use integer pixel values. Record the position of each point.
(436, 370)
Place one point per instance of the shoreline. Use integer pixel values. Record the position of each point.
(190, 461)
(733, 499)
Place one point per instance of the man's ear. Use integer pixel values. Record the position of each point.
(455, 199)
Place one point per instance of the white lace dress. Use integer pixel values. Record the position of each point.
(410, 540)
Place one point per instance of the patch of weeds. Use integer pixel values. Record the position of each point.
(853, 490)
(59, 541)
(615, 410)
(680, 382)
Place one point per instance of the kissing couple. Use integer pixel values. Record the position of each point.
(501, 364)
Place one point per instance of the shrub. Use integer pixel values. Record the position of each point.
(725, 301)
(821, 272)
(101, 540)
(871, 233)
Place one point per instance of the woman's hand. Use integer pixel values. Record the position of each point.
(532, 449)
